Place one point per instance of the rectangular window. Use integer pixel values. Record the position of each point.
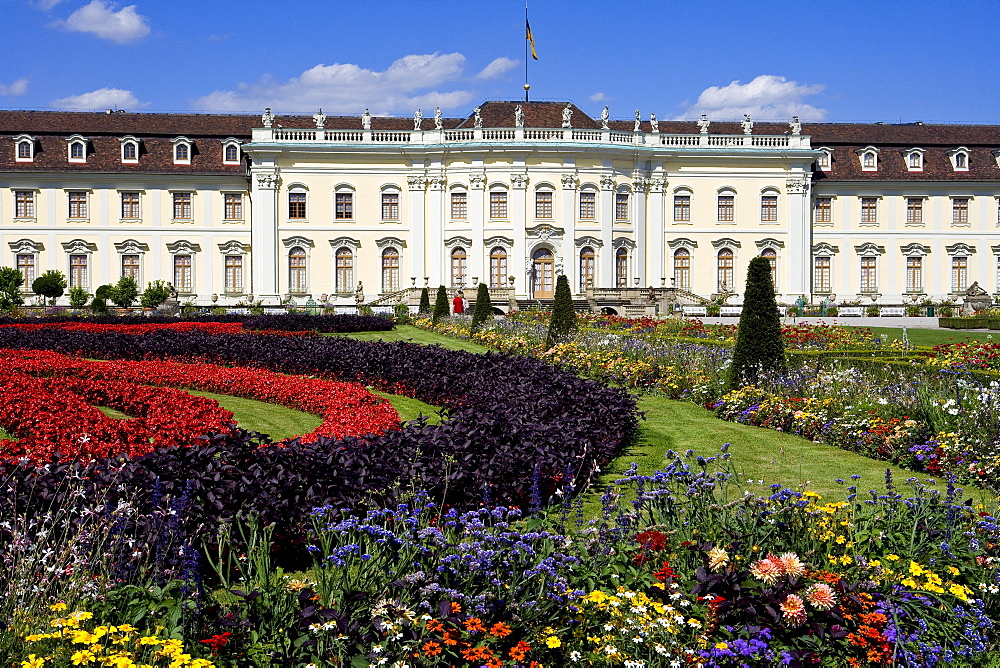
(24, 204)
(727, 208)
(769, 209)
(682, 207)
(621, 206)
(130, 267)
(78, 271)
(914, 211)
(823, 210)
(960, 211)
(343, 206)
(77, 204)
(959, 274)
(914, 274)
(130, 206)
(297, 206)
(26, 265)
(821, 275)
(869, 282)
(459, 206)
(344, 278)
(234, 206)
(234, 274)
(498, 268)
(588, 205)
(182, 273)
(390, 206)
(543, 204)
(182, 206)
(869, 209)
(498, 204)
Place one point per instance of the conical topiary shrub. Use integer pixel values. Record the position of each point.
(562, 326)
(425, 302)
(483, 310)
(758, 340)
(441, 309)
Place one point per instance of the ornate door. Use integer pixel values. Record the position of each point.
(543, 281)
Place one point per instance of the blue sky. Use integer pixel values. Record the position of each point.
(844, 61)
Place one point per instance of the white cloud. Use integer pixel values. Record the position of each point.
(599, 97)
(45, 5)
(768, 97)
(102, 98)
(409, 82)
(19, 87)
(100, 19)
(498, 68)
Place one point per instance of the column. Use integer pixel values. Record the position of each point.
(518, 215)
(606, 272)
(799, 253)
(571, 254)
(438, 260)
(477, 264)
(265, 184)
(421, 262)
(640, 186)
(655, 240)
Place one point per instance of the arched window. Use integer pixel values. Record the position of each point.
(129, 151)
(914, 160)
(297, 270)
(498, 267)
(772, 258)
(868, 160)
(621, 267)
(458, 266)
(77, 151)
(345, 270)
(390, 269)
(182, 153)
(543, 274)
(232, 153)
(297, 203)
(24, 149)
(682, 269)
(725, 280)
(587, 260)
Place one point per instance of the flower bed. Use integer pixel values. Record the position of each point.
(131, 327)
(347, 409)
(215, 324)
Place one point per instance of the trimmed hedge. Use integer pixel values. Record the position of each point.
(969, 323)
(291, 322)
(513, 425)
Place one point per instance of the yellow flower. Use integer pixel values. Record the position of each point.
(845, 560)
(33, 662)
(916, 569)
(57, 607)
(84, 656)
(959, 591)
(553, 642)
(596, 596)
(952, 570)
(892, 557)
(721, 645)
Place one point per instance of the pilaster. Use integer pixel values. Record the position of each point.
(265, 186)
(606, 274)
(798, 257)
(422, 249)
(568, 216)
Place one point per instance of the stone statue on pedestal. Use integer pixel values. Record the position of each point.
(703, 124)
(438, 124)
(747, 124)
(605, 115)
(418, 118)
(268, 118)
(654, 124)
(567, 116)
(518, 117)
(366, 120)
(320, 119)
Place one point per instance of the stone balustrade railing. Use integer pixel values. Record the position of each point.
(531, 135)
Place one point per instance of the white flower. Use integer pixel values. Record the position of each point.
(575, 655)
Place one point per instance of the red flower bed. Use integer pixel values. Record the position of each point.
(142, 328)
(347, 409)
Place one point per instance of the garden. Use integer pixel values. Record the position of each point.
(140, 524)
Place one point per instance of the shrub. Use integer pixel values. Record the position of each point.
(562, 325)
(366, 311)
(125, 292)
(401, 313)
(11, 281)
(339, 324)
(483, 311)
(51, 284)
(425, 301)
(78, 296)
(156, 293)
(441, 309)
(759, 346)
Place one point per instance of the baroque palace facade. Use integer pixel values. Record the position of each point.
(234, 207)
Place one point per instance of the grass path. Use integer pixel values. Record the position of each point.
(411, 334)
(931, 337)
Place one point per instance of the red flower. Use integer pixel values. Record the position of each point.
(217, 642)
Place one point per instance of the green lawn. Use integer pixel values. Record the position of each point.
(932, 337)
(412, 334)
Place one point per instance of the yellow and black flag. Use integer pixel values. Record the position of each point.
(531, 40)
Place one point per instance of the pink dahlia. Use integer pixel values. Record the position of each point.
(791, 565)
(821, 596)
(766, 570)
(794, 610)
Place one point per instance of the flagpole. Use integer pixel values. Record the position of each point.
(526, 24)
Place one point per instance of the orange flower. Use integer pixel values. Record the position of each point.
(451, 637)
(434, 625)
(500, 630)
(474, 625)
(456, 608)
(432, 648)
(519, 651)
(477, 654)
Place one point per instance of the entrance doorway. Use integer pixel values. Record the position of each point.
(542, 277)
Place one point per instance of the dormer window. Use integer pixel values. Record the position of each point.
(77, 149)
(914, 159)
(230, 151)
(182, 151)
(869, 158)
(24, 150)
(825, 161)
(130, 150)
(959, 159)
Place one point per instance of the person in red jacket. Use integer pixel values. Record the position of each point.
(458, 304)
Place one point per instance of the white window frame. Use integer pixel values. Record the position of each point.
(297, 189)
(20, 139)
(132, 247)
(79, 247)
(623, 191)
(243, 203)
(184, 247)
(390, 190)
(592, 192)
(340, 191)
(864, 154)
(861, 211)
(776, 194)
(824, 163)
(128, 140)
(498, 190)
(34, 203)
(173, 205)
(226, 144)
(954, 199)
(121, 205)
(181, 141)
(906, 210)
(545, 190)
(815, 209)
(953, 157)
(86, 204)
(458, 190)
(725, 192)
(27, 247)
(73, 141)
(234, 248)
(908, 158)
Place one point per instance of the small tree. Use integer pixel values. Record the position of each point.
(51, 284)
(441, 309)
(156, 293)
(562, 325)
(11, 281)
(483, 310)
(78, 296)
(99, 304)
(758, 340)
(125, 292)
(425, 302)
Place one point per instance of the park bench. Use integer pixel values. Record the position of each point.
(695, 310)
(892, 311)
(855, 311)
(731, 311)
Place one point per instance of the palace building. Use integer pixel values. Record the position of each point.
(232, 208)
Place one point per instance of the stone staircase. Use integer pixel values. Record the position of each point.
(581, 305)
